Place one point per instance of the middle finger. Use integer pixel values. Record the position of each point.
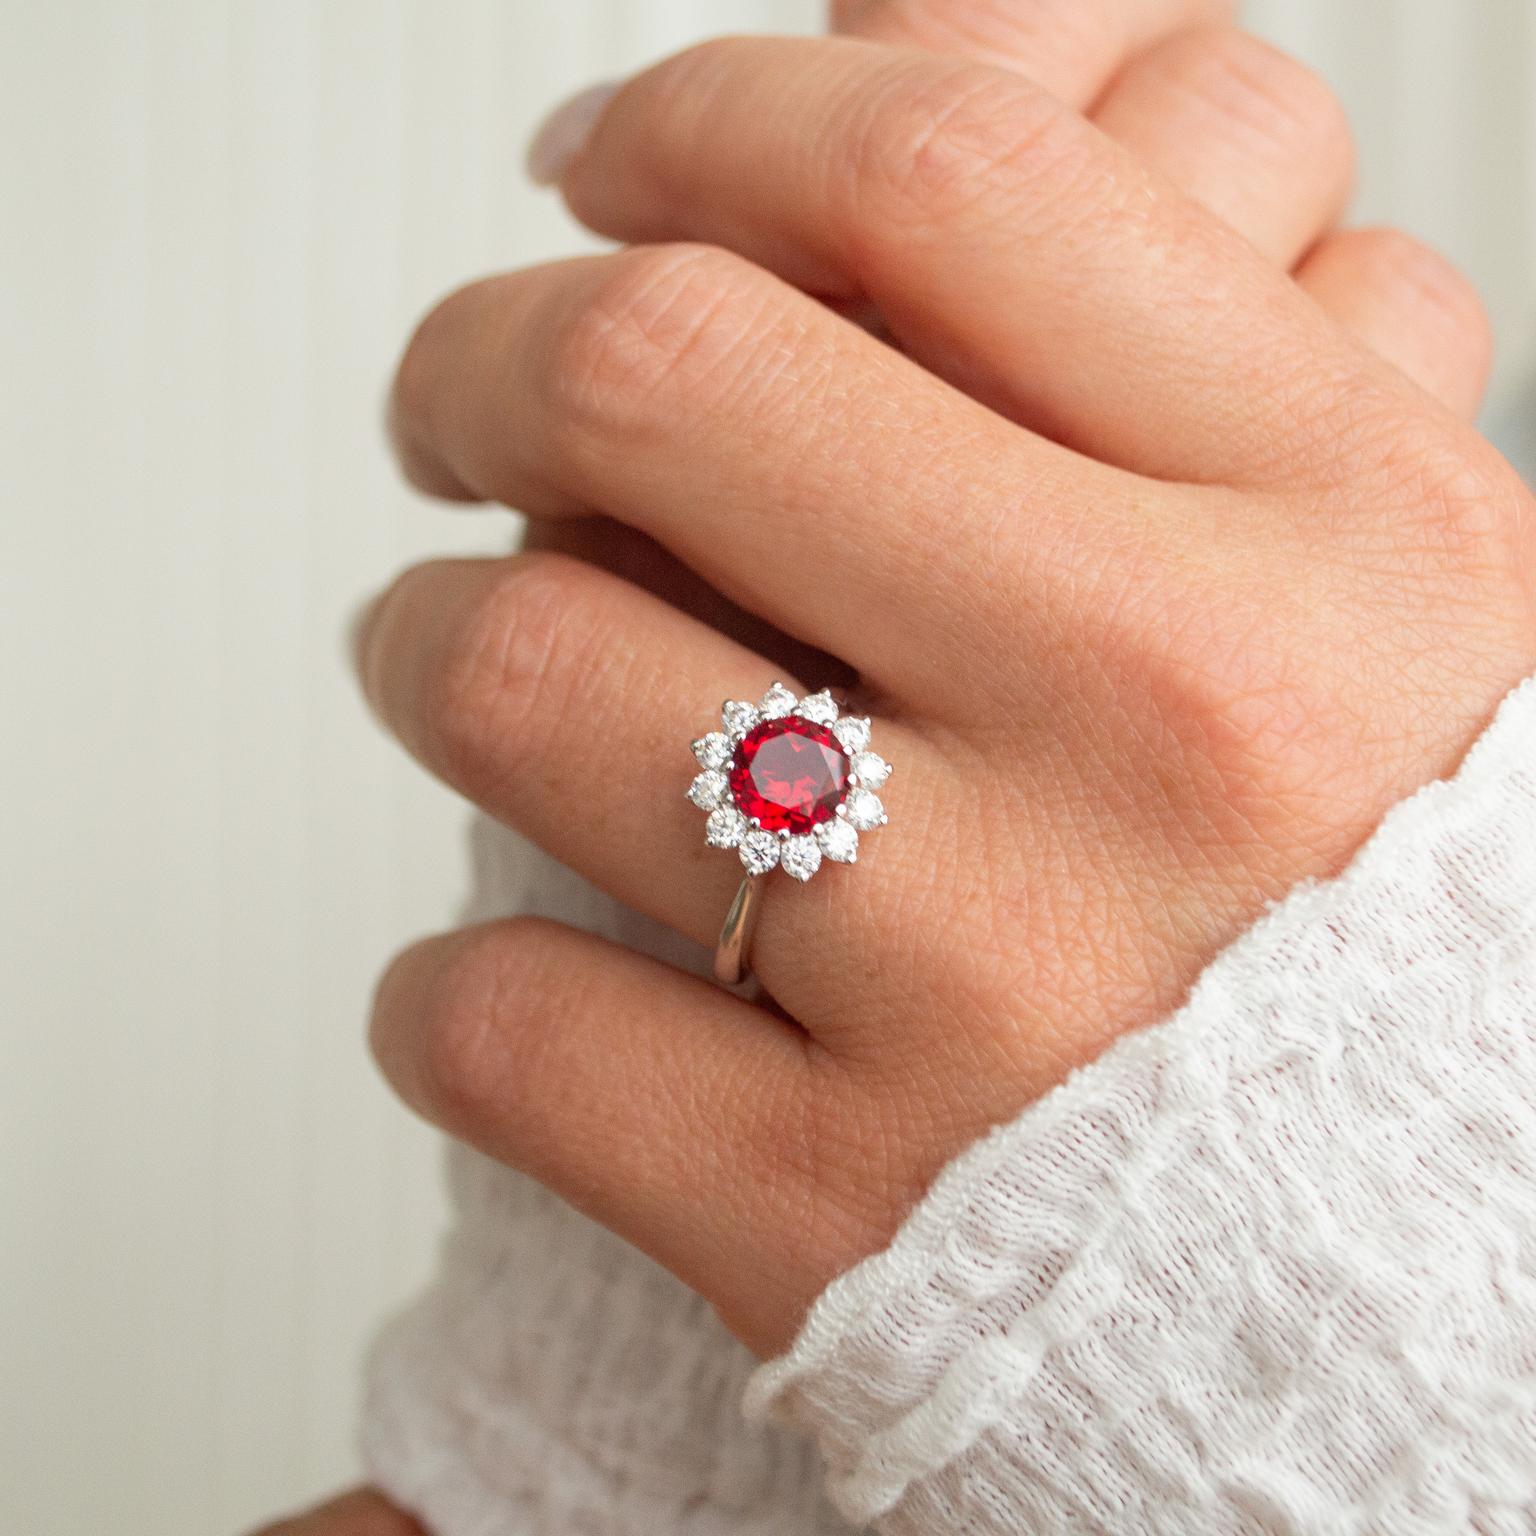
(1010, 244)
(804, 469)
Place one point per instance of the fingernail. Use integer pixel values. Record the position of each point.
(562, 134)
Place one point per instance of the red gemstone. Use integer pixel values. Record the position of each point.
(789, 775)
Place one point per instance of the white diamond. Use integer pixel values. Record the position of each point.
(838, 841)
(819, 708)
(738, 718)
(801, 857)
(708, 790)
(759, 852)
(864, 810)
(777, 703)
(853, 732)
(871, 770)
(726, 827)
(714, 750)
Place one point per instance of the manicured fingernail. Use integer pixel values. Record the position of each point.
(564, 131)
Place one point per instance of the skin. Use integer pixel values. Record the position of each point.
(1143, 514)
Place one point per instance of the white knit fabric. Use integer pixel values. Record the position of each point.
(1269, 1267)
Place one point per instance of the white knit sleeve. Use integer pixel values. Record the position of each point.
(1269, 1267)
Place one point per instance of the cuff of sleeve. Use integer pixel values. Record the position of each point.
(1269, 1265)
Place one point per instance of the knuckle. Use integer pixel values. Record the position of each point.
(1397, 462)
(1464, 505)
(933, 142)
(1264, 727)
(664, 324)
(1276, 98)
(499, 672)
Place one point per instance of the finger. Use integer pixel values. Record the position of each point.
(1251, 134)
(562, 700)
(640, 560)
(802, 468)
(1009, 244)
(1072, 48)
(1248, 132)
(360, 1513)
(1410, 305)
(657, 1104)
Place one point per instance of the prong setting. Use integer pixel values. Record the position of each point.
(853, 732)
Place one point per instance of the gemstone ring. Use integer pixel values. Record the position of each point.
(788, 783)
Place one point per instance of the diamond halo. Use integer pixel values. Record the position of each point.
(789, 783)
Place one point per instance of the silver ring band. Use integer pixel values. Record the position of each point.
(733, 954)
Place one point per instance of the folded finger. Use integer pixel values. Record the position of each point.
(1009, 244)
(560, 698)
(802, 468)
(360, 1513)
(659, 1105)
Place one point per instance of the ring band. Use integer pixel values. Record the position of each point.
(789, 784)
(733, 952)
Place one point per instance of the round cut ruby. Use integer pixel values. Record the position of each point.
(789, 775)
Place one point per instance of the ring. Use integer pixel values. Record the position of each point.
(788, 783)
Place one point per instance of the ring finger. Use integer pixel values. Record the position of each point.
(561, 699)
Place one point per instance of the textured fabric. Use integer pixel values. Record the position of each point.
(1269, 1267)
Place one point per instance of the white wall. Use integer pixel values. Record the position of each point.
(219, 219)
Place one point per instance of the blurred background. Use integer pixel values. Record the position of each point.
(220, 217)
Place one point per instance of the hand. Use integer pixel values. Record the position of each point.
(1158, 611)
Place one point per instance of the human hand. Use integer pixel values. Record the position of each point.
(1247, 132)
(1158, 611)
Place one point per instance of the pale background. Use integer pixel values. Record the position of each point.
(217, 219)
